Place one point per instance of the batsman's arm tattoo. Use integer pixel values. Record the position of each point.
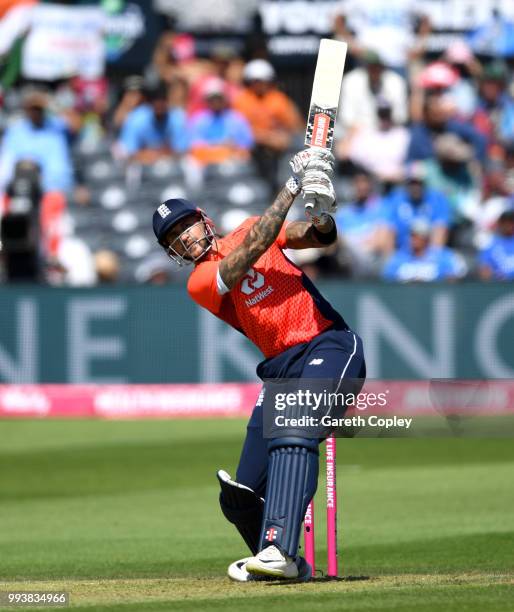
(259, 238)
(303, 235)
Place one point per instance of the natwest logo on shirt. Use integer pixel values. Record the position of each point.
(252, 281)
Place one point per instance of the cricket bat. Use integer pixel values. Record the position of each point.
(325, 93)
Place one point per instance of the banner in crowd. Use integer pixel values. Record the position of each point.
(294, 27)
(141, 334)
(64, 41)
(132, 29)
(14, 22)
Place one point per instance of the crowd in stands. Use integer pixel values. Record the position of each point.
(424, 159)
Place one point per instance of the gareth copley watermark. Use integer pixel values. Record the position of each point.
(358, 420)
(317, 407)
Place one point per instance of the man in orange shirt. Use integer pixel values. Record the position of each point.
(246, 280)
(273, 117)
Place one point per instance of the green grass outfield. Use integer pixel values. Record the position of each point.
(124, 516)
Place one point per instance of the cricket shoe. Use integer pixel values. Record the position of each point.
(237, 571)
(272, 562)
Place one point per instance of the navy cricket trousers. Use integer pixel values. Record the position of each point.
(334, 354)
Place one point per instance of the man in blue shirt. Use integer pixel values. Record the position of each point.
(416, 202)
(219, 133)
(497, 260)
(421, 262)
(437, 121)
(39, 138)
(153, 130)
(363, 223)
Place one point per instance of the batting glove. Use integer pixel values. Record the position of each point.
(313, 158)
(318, 195)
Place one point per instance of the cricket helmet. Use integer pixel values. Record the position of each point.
(171, 212)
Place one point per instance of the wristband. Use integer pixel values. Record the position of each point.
(293, 185)
(326, 237)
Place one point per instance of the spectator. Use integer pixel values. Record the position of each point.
(107, 266)
(496, 199)
(228, 66)
(91, 103)
(384, 24)
(380, 150)
(363, 229)
(179, 93)
(414, 202)
(132, 96)
(451, 173)
(71, 262)
(422, 29)
(40, 138)
(219, 133)
(433, 80)
(175, 56)
(509, 165)
(341, 31)
(363, 87)
(153, 130)
(65, 104)
(437, 77)
(224, 64)
(496, 261)
(494, 117)
(423, 262)
(463, 92)
(495, 37)
(274, 118)
(437, 119)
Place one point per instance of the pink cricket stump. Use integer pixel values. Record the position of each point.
(331, 507)
(308, 535)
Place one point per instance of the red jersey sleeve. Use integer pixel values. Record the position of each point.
(202, 286)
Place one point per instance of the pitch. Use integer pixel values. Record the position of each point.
(124, 516)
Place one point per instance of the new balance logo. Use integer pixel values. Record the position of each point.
(316, 362)
(260, 399)
(271, 534)
(164, 211)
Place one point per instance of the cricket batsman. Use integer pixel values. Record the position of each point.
(246, 280)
